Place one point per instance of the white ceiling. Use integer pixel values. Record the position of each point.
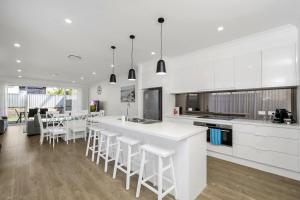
(38, 25)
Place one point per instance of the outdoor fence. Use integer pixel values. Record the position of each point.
(35, 100)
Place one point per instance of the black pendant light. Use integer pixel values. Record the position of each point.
(113, 79)
(161, 65)
(131, 74)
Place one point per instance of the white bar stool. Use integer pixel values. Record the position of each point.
(161, 154)
(94, 134)
(106, 137)
(130, 143)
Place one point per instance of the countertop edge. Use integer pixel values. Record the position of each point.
(152, 133)
(239, 121)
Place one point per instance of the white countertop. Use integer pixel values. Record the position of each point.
(238, 121)
(167, 130)
(265, 123)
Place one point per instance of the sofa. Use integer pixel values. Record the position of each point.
(33, 126)
(3, 124)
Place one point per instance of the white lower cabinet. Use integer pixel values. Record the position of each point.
(281, 160)
(220, 149)
(273, 146)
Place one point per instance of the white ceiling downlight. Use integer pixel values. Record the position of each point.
(18, 61)
(220, 28)
(94, 73)
(82, 78)
(19, 70)
(153, 53)
(19, 76)
(68, 21)
(17, 45)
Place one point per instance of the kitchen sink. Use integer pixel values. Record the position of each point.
(142, 121)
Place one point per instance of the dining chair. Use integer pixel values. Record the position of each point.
(78, 124)
(58, 127)
(44, 132)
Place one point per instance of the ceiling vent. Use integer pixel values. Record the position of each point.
(74, 57)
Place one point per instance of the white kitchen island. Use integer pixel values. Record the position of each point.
(189, 143)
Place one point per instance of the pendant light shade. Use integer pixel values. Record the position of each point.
(112, 78)
(161, 65)
(131, 73)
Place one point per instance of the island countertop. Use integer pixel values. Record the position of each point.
(167, 130)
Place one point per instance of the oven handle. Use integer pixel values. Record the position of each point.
(227, 131)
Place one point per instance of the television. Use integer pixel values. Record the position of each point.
(95, 106)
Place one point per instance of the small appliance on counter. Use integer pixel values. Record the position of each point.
(283, 116)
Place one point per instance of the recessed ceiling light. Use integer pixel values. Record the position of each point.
(220, 28)
(17, 45)
(153, 53)
(73, 81)
(19, 70)
(68, 21)
(19, 76)
(18, 61)
(81, 78)
(94, 73)
(111, 65)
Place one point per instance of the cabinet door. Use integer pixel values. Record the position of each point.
(205, 75)
(224, 73)
(248, 70)
(279, 66)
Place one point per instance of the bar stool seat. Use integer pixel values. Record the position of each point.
(157, 150)
(131, 144)
(108, 138)
(128, 140)
(161, 154)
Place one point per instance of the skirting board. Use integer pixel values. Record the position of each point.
(255, 165)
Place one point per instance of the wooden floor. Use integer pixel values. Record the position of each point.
(33, 172)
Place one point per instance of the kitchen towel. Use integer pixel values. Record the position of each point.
(215, 136)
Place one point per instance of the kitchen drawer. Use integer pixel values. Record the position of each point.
(276, 159)
(276, 144)
(220, 149)
(288, 133)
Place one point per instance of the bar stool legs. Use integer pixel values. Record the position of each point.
(109, 138)
(131, 153)
(161, 154)
(138, 189)
(88, 143)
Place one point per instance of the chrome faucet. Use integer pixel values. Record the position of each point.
(127, 111)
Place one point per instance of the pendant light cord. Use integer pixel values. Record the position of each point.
(132, 54)
(113, 61)
(161, 48)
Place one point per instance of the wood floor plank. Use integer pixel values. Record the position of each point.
(29, 171)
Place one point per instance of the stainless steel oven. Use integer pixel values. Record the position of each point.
(226, 130)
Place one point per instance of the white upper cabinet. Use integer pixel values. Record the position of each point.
(247, 70)
(279, 66)
(224, 73)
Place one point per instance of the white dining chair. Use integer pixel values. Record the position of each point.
(59, 128)
(78, 125)
(44, 132)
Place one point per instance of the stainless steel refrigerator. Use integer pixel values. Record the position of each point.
(152, 104)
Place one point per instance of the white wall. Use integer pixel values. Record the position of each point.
(298, 63)
(3, 111)
(111, 96)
